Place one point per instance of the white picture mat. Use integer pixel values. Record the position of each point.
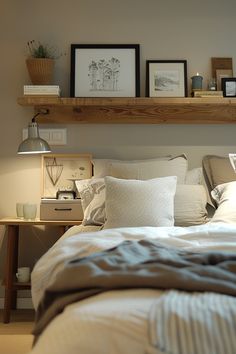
(127, 77)
(174, 70)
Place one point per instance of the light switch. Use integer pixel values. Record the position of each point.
(52, 136)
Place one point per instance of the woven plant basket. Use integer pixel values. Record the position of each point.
(40, 70)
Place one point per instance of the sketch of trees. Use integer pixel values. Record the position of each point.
(104, 74)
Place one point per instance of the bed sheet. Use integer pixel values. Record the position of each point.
(117, 321)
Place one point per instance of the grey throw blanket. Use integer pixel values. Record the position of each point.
(137, 264)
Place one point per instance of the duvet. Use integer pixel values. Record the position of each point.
(139, 320)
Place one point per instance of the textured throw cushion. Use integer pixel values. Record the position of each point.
(101, 167)
(92, 194)
(177, 166)
(189, 203)
(132, 203)
(225, 198)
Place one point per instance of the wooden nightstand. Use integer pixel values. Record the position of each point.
(10, 283)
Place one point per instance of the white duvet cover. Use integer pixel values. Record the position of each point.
(118, 321)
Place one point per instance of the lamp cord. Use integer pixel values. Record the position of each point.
(38, 113)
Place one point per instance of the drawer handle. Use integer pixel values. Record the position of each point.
(63, 209)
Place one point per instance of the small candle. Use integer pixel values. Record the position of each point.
(197, 82)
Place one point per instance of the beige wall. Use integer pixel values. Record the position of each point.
(165, 29)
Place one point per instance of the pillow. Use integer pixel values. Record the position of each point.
(177, 166)
(101, 167)
(217, 170)
(194, 176)
(133, 203)
(225, 198)
(90, 190)
(189, 203)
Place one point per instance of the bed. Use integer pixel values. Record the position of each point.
(87, 290)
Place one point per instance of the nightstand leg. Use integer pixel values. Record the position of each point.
(10, 270)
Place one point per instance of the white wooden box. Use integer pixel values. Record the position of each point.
(55, 209)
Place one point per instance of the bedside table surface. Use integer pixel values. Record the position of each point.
(18, 221)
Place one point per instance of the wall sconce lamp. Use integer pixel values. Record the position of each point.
(34, 144)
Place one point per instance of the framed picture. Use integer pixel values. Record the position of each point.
(229, 86)
(60, 171)
(220, 64)
(166, 78)
(220, 74)
(105, 70)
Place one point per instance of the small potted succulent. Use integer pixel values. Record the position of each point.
(40, 62)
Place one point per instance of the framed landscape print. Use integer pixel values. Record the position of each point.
(105, 70)
(166, 78)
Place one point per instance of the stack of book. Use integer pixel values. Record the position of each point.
(207, 93)
(41, 90)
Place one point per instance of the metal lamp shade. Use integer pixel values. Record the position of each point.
(33, 144)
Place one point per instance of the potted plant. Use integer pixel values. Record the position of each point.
(40, 63)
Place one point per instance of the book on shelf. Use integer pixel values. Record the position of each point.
(42, 90)
(207, 93)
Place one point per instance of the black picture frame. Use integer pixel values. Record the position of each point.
(166, 78)
(228, 86)
(105, 70)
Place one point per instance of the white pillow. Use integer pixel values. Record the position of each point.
(133, 203)
(177, 166)
(194, 176)
(101, 167)
(189, 203)
(225, 196)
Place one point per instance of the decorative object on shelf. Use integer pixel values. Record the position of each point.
(34, 144)
(42, 90)
(41, 61)
(197, 82)
(105, 70)
(229, 86)
(218, 67)
(75, 166)
(166, 78)
(207, 93)
(212, 84)
(220, 74)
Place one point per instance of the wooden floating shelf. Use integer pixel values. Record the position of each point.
(138, 110)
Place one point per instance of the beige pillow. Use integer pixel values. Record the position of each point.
(101, 167)
(133, 203)
(217, 170)
(190, 205)
(177, 166)
(224, 195)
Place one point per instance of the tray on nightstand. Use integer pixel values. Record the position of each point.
(60, 209)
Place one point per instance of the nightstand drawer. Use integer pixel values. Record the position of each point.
(61, 210)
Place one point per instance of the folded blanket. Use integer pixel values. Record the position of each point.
(137, 264)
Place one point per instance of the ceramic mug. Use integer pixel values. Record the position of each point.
(30, 211)
(23, 274)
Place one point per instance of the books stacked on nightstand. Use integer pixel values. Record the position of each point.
(41, 90)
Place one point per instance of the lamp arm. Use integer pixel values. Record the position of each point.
(38, 113)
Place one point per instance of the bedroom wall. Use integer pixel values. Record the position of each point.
(165, 29)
